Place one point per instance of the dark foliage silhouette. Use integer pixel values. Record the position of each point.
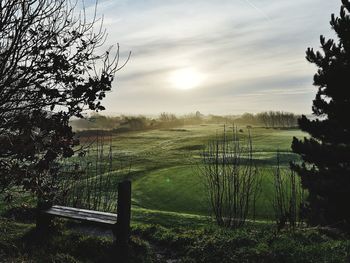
(325, 171)
(49, 72)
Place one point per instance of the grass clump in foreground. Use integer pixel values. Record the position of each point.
(161, 236)
(20, 242)
(249, 244)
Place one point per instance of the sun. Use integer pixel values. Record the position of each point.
(186, 78)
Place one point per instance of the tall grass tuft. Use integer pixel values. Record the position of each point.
(288, 197)
(89, 180)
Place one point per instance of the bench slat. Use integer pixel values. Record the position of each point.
(82, 214)
(99, 214)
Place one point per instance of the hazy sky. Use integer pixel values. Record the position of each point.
(215, 56)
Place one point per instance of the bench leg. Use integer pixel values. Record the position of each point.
(122, 227)
(43, 221)
(124, 213)
(121, 249)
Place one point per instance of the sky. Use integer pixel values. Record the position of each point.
(214, 56)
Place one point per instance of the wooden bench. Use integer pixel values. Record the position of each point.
(107, 219)
(119, 223)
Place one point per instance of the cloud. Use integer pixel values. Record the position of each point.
(252, 52)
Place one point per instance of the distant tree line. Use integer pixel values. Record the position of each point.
(117, 124)
(165, 120)
(270, 119)
(107, 125)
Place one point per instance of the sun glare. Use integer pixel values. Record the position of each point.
(185, 79)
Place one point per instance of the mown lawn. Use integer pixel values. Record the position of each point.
(169, 210)
(164, 165)
(181, 189)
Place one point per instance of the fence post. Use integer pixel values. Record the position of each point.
(124, 213)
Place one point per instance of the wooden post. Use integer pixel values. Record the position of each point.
(124, 213)
(122, 227)
(43, 221)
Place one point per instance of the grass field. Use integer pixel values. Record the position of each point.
(169, 222)
(164, 165)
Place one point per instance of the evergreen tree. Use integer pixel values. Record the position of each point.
(325, 170)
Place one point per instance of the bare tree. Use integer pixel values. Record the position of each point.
(49, 72)
(231, 177)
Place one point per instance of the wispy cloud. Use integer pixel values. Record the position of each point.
(258, 9)
(252, 53)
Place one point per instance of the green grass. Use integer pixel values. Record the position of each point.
(181, 189)
(170, 211)
(249, 244)
(164, 165)
(20, 242)
(184, 237)
(178, 189)
(168, 219)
